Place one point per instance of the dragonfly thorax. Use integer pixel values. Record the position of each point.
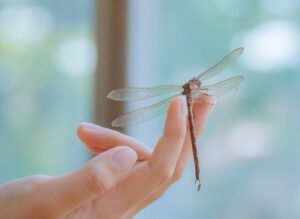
(192, 84)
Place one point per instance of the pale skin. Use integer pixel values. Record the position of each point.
(124, 177)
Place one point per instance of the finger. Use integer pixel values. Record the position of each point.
(170, 144)
(201, 110)
(98, 139)
(99, 175)
(145, 178)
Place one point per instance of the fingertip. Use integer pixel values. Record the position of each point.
(176, 117)
(87, 132)
(80, 131)
(183, 106)
(90, 127)
(205, 105)
(124, 158)
(83, 128)
(178, 107)
(202, 111)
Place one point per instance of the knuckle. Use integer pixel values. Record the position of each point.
(177, 175)
(36, 192)
(165, 175)
(96, 182)
(199, 128)
(174, 139)
(181, 136)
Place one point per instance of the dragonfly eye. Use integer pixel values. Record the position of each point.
(186, 86)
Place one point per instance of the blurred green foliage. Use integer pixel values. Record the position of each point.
(41, 100)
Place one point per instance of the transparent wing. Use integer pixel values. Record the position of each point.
(220, 88)
(143, 114)
(221, 65)
(141, 93)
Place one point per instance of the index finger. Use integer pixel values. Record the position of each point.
(99, 139)
(147, 177)
(169, 146)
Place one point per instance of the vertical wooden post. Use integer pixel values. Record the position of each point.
(111, 33)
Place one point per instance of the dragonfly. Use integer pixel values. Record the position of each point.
(193, 90)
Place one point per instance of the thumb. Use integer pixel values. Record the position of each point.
(96, 177)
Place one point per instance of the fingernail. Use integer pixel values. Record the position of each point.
(90, 127)
(123, 159)
(183, 106)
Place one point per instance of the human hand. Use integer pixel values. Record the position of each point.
(123, 179)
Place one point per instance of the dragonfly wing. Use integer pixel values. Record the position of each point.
(143, 114)
(220, 88)
(141, 93)
(221, 65)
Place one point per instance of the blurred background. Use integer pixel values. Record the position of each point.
(51, 79)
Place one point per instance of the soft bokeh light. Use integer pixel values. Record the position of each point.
(247, 140)
(280, 7)
(24, 24)
(233, 8)
(76, 57)
(40, 107)
(272, 45)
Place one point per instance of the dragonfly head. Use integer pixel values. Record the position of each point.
(192, 84)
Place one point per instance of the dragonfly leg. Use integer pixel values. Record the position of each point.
(197, 181)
